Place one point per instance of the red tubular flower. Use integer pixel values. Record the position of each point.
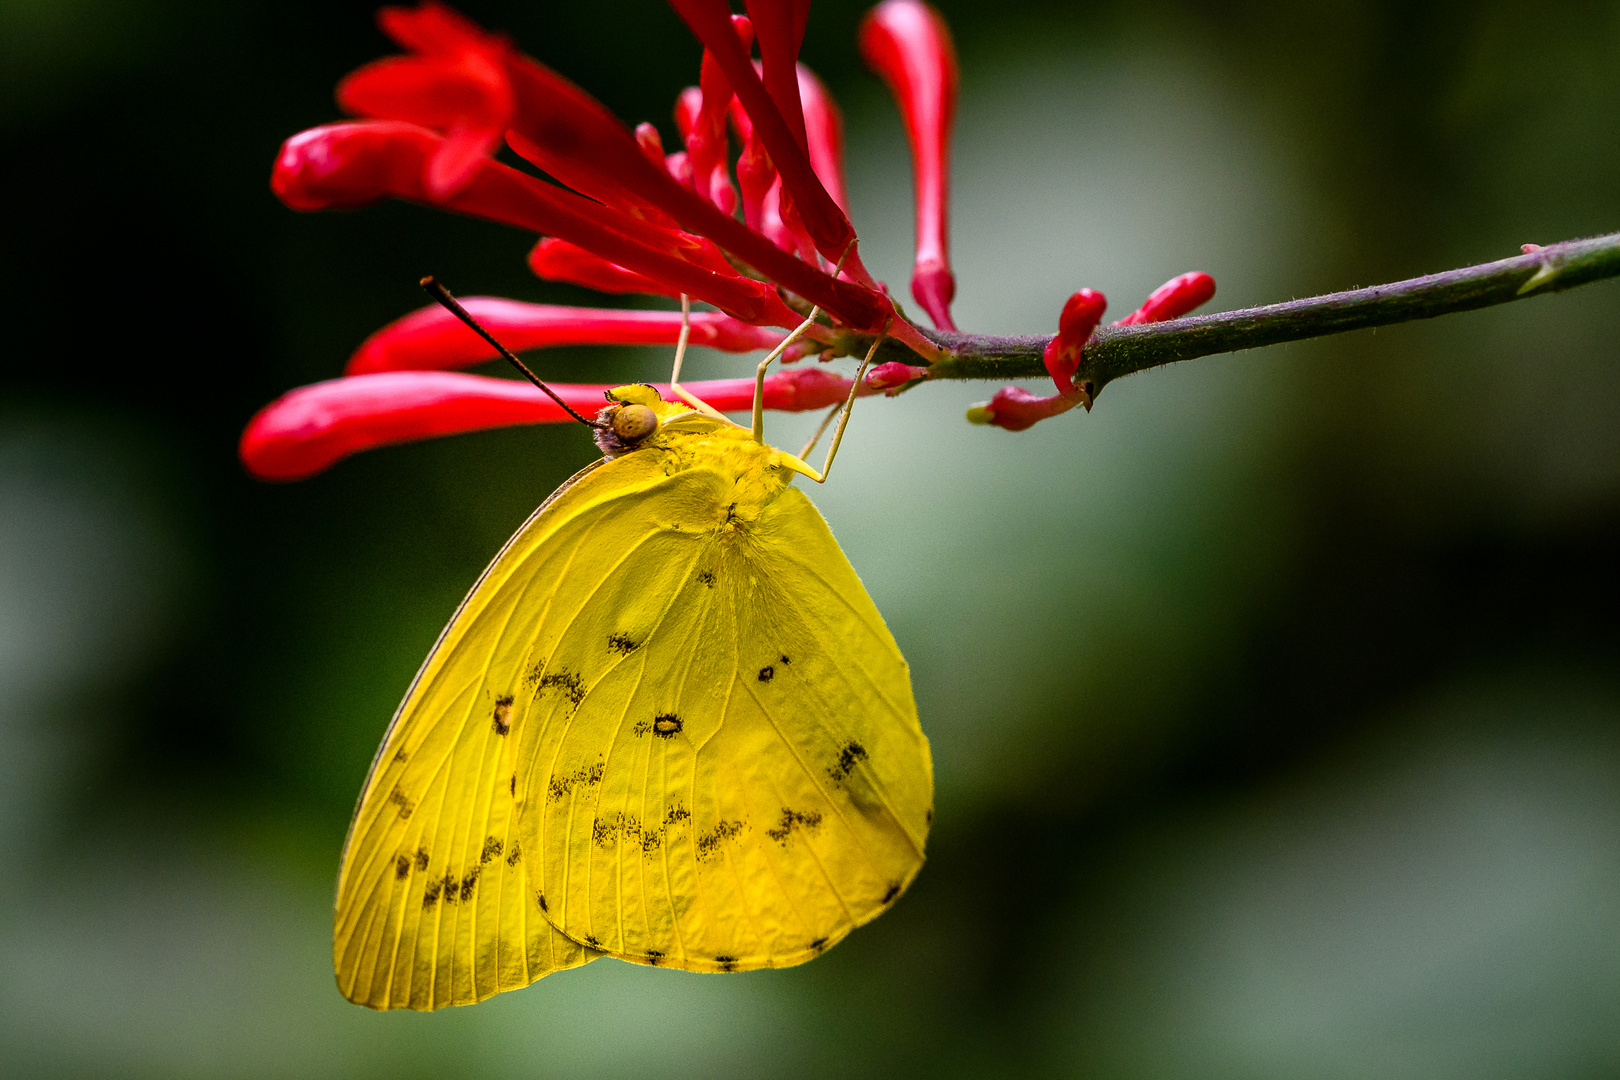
(433, 338)
(454, 83)
(1016, 409)
(1173, 299)
(1081, 314)
(834, 237)
(622, 217)
(824, 131)
(558, 260)
(907, 43)
(313, 427)
(573, 137)
(345, 165)
(892, 374)
(780, 25)
(706, 133)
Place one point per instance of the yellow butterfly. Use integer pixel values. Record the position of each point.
(667, 724)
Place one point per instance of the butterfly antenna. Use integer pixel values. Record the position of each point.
(451, 304)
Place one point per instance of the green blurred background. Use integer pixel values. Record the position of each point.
(1275, 704)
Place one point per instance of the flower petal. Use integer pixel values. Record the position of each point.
(558, 260)
(431, 28)
(455, 83)
(433, 338)
(313, 427)
(357, 163)
(908, 44)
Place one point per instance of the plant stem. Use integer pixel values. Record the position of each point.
(1114, 351)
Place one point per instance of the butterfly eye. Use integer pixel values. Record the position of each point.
(633, 423)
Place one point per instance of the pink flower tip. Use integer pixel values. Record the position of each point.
(1173, 299)
(934, 287)
(893, 374)
(1016, 409)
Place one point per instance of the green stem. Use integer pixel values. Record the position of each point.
(1114, 351)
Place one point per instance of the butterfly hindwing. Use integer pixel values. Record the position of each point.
(735, 776)
(434, 906)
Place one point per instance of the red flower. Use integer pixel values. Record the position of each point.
(1016, 409)
(909, 45)
(624, 217)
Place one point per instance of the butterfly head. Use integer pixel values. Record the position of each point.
(633, 416)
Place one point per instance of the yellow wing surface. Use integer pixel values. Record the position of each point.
(667, 724)
(433, 907)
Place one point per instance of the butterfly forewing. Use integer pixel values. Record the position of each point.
(735, 777)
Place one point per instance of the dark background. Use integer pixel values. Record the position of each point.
(1274, 703)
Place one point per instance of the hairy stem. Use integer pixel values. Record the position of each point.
(1120, 350)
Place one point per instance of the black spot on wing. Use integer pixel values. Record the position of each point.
(451, 887)
(401, 756)
(928, 817)
(818, 944)
(607, 830)
(623, 644)
(792, 821)
(765, 674)
(706, 578)
(653, 957)
(593, 942)
(560, 786)
(666, 725)
(727, 963)
(421, 858)
(568, 682)
(402, 866)
(540, 898)
(511, 786)
(469, 882)
(709, 844)
(892, 892)
(492, 850)
(503, 715)
(783, 659)
(514, 854)
(399, 799)
(430, 893)
(849, 755)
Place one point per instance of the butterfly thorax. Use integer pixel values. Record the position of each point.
(685, 440)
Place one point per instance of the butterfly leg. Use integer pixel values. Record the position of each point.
(675, 386)
(821, 429)
(843, 416)
(759, 373)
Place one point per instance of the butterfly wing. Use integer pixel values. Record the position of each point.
(433, 905)
(723, 768)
